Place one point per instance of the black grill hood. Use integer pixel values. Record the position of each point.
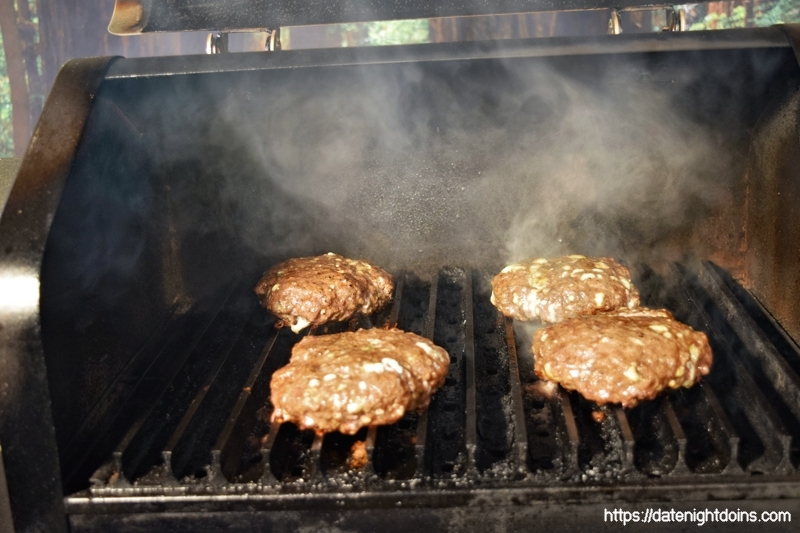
(140, 16)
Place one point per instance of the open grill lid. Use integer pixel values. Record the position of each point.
(141, 16)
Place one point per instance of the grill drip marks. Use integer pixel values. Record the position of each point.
(493, 424)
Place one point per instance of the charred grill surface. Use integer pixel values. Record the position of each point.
(493, 425)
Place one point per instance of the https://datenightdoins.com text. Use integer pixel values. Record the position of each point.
(700, 517)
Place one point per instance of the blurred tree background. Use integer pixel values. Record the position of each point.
(38, 36)
(749, 13)
(6, 140)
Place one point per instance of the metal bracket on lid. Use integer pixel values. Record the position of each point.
(614, 27)
(217, 43)
(273, 42)
(676, 20)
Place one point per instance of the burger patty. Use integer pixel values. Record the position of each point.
(326, 288)
(567, 287)
(624, 356)
(345, 381)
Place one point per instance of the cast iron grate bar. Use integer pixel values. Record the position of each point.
(680, 468)
(422, 420)
(471, 440)
(394, 315)
(571, 462)
(369, 448)
(774, 333)
(216, 471)
(655, 448)
(268, 477)
(313, 472)
(628, 442)
(397, 455)
(520, 444)
(728, 430)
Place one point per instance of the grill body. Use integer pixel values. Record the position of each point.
(179, 180)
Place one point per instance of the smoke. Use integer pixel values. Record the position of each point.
(421, 165)
(619, 172)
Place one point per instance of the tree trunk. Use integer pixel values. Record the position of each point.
(15, 68)
(30, 52)
(55, 34)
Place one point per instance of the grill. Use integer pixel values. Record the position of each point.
(155, 192)
(493, 426)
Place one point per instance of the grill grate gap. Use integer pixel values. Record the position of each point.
(707, 449)
(520, 437)
(600, 453)
(549, 447)
(656, 449)
(447, 431)
(395, 456)
(494, 402)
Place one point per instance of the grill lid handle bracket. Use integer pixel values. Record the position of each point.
(217, 43)
(273, 42)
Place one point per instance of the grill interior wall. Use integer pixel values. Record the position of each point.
(773, 208)
(191, 185)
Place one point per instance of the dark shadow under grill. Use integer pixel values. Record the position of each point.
(195, 421)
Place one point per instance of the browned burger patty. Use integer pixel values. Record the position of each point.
(326, 288)
(557, 289)
(346, 381)
(625, 356)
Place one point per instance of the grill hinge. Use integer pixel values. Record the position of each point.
(217, 42)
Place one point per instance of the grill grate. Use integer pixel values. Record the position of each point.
(204, 428)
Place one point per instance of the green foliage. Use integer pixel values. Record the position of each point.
(6, 130)
(721, 21)
(765, 14)
(779, 12)
(398, 32)
(383, 33)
